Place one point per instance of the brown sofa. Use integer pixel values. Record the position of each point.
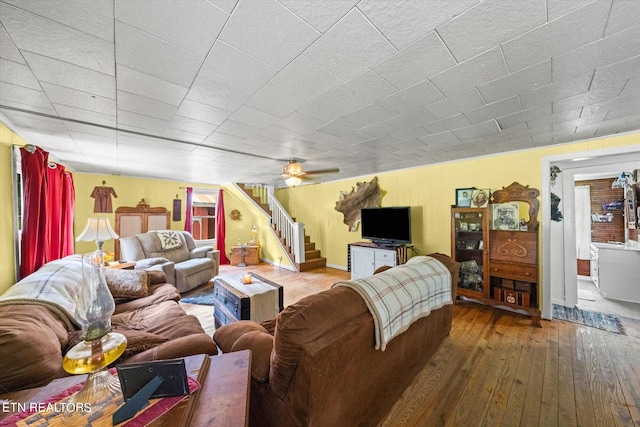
(35, 335)
(315, 364)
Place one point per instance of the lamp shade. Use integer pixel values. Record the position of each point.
(98, 230)
(292, 181)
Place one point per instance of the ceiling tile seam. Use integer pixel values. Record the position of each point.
(622, 88)
(193, 54)
(235, 6)
(115, 72)
(27, 87)
(319, 65)
(15, 46)
(307, 22)
(217, 39)
(546, 10)
(376, 28)
(53, 20)
(64, 62)
(31, 70)
(506, 65)
(326, 32)
(435, 30)
(604, 30)
(205, 56)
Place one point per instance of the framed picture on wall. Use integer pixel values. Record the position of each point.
(480, 198)
(463, 197)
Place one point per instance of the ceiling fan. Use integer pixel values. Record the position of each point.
(293, 174)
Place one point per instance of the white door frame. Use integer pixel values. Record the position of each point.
(599, 161)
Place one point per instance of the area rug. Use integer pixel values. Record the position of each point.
(593, 319)
(203, 297)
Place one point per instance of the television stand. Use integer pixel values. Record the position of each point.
(364, 258)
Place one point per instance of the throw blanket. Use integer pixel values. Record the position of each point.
(55, 286)
(398, 297)
(169, 239)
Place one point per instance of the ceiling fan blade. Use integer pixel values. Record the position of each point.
(319, 171)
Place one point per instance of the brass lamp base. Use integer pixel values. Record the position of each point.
(101, 394)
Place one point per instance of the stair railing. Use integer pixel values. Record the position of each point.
(291, 232)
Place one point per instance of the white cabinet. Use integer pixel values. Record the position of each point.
(617, 270)
(366, 260)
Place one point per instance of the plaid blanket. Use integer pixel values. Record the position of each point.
(399, 296)
(55, 286)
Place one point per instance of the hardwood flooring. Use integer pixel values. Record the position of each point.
(494, 369)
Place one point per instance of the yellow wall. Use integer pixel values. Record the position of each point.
(429, 190)
(156, 193)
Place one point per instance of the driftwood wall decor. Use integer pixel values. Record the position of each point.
(364, 195)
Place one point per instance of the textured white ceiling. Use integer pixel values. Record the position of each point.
(225, 91)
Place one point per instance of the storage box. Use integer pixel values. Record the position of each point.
(230, 304)
(512, 296)
(251, 255)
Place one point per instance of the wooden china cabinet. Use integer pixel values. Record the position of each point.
(140, 219)
(508, 261)
(469, 238)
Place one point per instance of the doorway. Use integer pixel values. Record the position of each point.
(559, 238)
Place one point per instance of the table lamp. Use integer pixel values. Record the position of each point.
(98, 230)
(254, 231)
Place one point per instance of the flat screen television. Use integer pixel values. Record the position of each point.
(386, 225)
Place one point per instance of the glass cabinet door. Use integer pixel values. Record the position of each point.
(469, 230)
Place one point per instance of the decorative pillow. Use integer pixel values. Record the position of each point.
(261, 344)
(127, 283)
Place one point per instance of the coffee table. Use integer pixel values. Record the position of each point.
(233, 300)
(223, 399)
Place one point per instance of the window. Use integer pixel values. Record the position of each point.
(203, 215)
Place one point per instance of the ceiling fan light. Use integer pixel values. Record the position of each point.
(293, 168)
(293, 181)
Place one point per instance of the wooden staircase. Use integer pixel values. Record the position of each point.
(313, 257)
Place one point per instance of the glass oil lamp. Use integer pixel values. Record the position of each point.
(100, 345)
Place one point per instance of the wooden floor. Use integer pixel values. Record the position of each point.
(494, 369)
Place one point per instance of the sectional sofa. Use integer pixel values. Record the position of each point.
(37, 324)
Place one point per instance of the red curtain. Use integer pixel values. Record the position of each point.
(188, 216)
(220, 228)
(48, 202)
(68, 208)
(34, 239)
(54, 208)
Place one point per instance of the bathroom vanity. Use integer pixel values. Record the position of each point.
(615, 269)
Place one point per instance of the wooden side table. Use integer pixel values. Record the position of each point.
(122, 265)
(223, 398)
(252, 257)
